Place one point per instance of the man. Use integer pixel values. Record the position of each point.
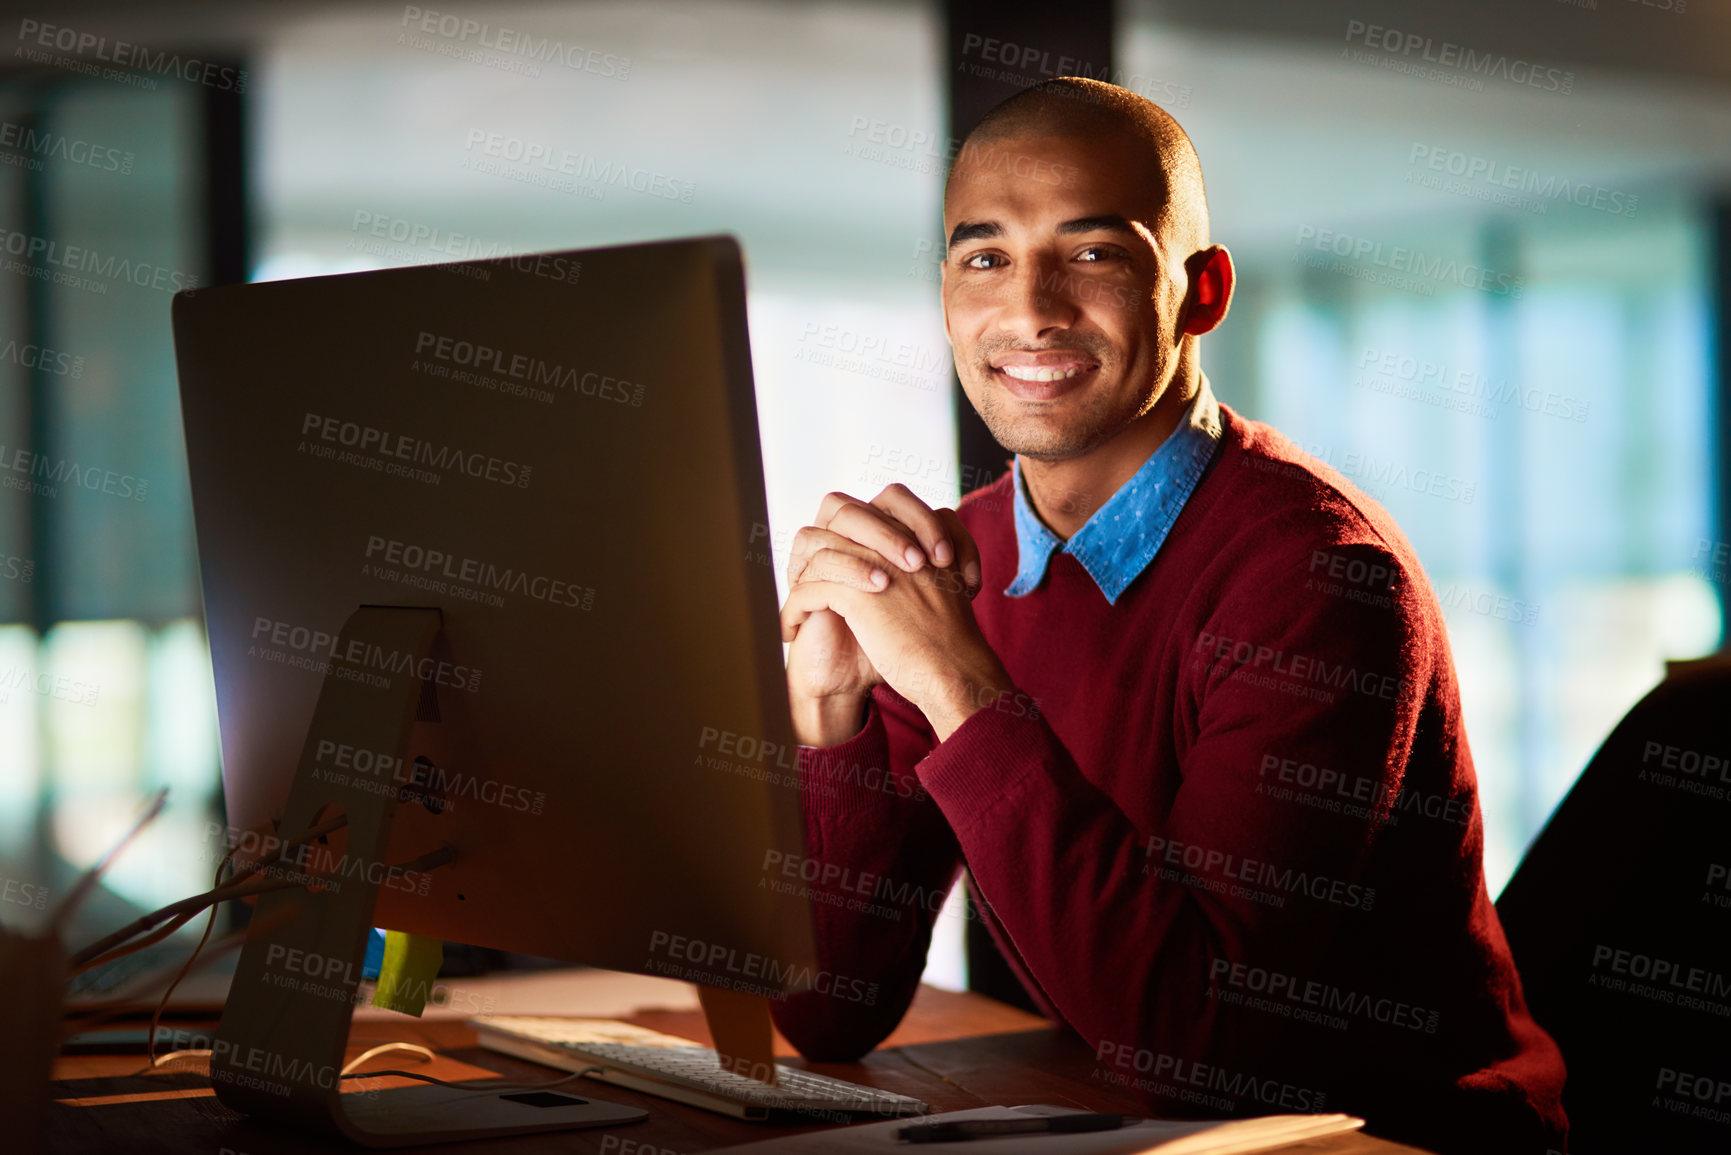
(1178, 695)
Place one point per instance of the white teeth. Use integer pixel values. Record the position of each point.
(1029, 373)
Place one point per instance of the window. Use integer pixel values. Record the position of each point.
(1488, 310)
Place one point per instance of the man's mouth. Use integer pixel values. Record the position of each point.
(1058, 367)
(1035, 373)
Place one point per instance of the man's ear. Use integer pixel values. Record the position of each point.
(1211, 283)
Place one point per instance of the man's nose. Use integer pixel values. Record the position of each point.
(1037, 300)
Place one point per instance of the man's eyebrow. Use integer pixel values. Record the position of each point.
(985, 230)
(1110, 223)
(975, 231)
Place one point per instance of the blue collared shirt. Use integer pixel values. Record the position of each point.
(1116, 544)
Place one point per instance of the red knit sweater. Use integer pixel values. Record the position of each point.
(1228, 830)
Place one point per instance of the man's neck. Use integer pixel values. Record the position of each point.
(1065, 494)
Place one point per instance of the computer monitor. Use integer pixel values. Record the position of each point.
(559, 455)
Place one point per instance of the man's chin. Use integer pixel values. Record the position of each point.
(1048, 446)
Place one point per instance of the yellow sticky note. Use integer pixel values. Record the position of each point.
(406, 975)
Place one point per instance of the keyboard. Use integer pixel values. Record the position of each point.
(107, 980)
(679, 1069)
(143, 975)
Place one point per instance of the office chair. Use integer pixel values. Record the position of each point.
(1619, 919)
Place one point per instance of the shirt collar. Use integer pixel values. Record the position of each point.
(1116, 544)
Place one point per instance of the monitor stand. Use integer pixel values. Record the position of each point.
(279, 1051)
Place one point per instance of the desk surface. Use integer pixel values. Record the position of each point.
(952, 1050)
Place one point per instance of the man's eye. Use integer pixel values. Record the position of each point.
(1097, 253)
(981, 261)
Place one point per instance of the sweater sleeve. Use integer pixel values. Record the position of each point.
(880, 861)
(1123, 926)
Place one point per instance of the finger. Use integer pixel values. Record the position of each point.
(904, 506)
(873, 528)
(826, 509)
(807, 599)
(967, 550)
(855, 568)
(811, 541)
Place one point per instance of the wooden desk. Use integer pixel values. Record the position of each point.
(952, 1050)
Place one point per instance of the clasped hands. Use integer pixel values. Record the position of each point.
(880, 591)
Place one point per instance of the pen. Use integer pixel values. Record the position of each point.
(993, 1128)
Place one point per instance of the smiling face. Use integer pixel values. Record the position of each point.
(1062, 291)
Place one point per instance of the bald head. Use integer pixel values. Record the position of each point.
(1130, 130)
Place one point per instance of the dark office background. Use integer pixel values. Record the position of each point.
(1550, 447)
